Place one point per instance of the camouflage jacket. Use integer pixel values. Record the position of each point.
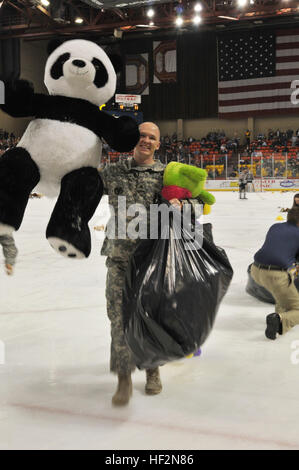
(9, 249)
(126, 183)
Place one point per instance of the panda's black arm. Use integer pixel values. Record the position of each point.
(121, 134)
(19, 99)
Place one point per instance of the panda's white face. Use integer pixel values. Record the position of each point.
(80, 69)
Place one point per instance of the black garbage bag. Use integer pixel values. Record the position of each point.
(259, 292)
(172, 295)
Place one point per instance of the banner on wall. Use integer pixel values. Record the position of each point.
(137, 74)
(165, 62)
(265, 184)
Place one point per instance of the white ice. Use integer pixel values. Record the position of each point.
(56, 388)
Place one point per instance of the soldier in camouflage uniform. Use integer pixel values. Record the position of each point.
(139, 180)
(10, 252)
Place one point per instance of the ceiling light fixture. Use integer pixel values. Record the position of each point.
(242, 3)
(179, 21)
(150, 13)
(46, 3)
(197, 7)
(197, 19)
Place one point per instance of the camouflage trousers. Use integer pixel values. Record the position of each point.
(121, 360)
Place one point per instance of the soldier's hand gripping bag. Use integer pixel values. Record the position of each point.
(172, 293)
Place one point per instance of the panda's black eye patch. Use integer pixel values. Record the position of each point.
(57, 68)
(101, 77)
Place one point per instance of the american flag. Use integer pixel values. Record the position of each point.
(255, 72)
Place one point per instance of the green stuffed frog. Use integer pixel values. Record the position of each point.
(183, 181)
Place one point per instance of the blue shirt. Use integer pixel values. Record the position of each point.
(281, 246)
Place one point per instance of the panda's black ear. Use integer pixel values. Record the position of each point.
(116, 62)
(53, 45)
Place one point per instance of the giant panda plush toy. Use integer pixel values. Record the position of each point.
(61, 148)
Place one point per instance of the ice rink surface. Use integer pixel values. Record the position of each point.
(56, 388)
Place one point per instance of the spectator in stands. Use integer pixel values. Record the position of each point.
(283, 138)
(247, 137)
(235, 141)
(223, 149)
(167, 140)
(234, 173)
(189, 158)
(7, 141)
(258, 170)
(294, 140)
(221, 134)
(211, 136)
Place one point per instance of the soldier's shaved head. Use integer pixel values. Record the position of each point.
(148, 143)
(150, 126)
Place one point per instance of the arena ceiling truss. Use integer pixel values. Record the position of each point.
(44, 19)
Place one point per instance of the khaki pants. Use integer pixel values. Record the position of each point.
(282, 287)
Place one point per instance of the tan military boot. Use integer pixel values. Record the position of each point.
(124, 390)
(153, 384)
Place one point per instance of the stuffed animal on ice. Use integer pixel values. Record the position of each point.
(183, 181)
(61, 148)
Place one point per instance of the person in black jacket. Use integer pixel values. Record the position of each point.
(295, 204)
(274, 268)
(296, 201)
